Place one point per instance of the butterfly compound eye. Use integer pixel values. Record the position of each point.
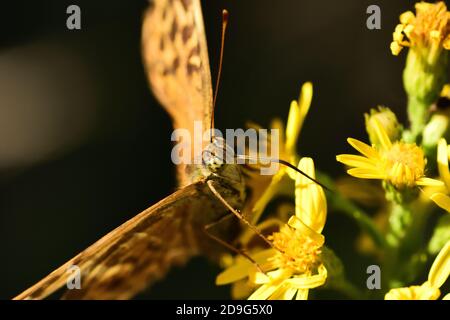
(217, 153)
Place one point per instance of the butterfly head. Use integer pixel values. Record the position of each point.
(219, 163)
(217, 154)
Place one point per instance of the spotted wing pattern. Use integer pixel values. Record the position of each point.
(175, 55)
(134, 255)
(142, 250)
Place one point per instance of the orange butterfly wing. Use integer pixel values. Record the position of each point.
(132, 256)
(175, 54)
(142, 250)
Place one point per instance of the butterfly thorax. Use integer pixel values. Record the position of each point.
(218, 165)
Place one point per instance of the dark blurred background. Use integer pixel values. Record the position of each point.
(84, 146)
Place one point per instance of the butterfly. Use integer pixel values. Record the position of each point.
(143, 249)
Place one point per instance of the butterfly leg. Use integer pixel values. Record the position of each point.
(240, 216)
(227, 245)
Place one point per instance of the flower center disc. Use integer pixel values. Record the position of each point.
(404, 163)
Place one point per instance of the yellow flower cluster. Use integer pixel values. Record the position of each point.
(294, 264)
(293, 259)
(429, 28)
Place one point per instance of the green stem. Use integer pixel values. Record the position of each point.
(365, 222)
(404, 257)
(424, 75)
(418, 117)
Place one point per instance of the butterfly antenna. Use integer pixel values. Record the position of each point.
(219, 73)
(287, 164)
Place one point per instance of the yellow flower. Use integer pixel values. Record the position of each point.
(429, 28)
(441, 199)
(427, 34)
(294, 264)
(429, 290)
(242, 288)
(264, 188)
(399, 163)
(295, 267)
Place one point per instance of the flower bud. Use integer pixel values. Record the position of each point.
(387, 119)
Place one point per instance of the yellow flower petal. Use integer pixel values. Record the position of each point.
(423, 292)
(297, 115)
(241, 268)
(395, 48)
(441, 200)
(363, 148)
(302, 294)
(241, 290)
(440, 269)
(356, 161)
(366, 173)
(309, 282)
(235, 273)
(398, 33)
(407, 17)
(259, 278)
(310, 201)
(284, 292)
(293, 126)
(298, 224)
(305, 98)
(264, 292)
(383, 137)
(424, 181)
(442, 162)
